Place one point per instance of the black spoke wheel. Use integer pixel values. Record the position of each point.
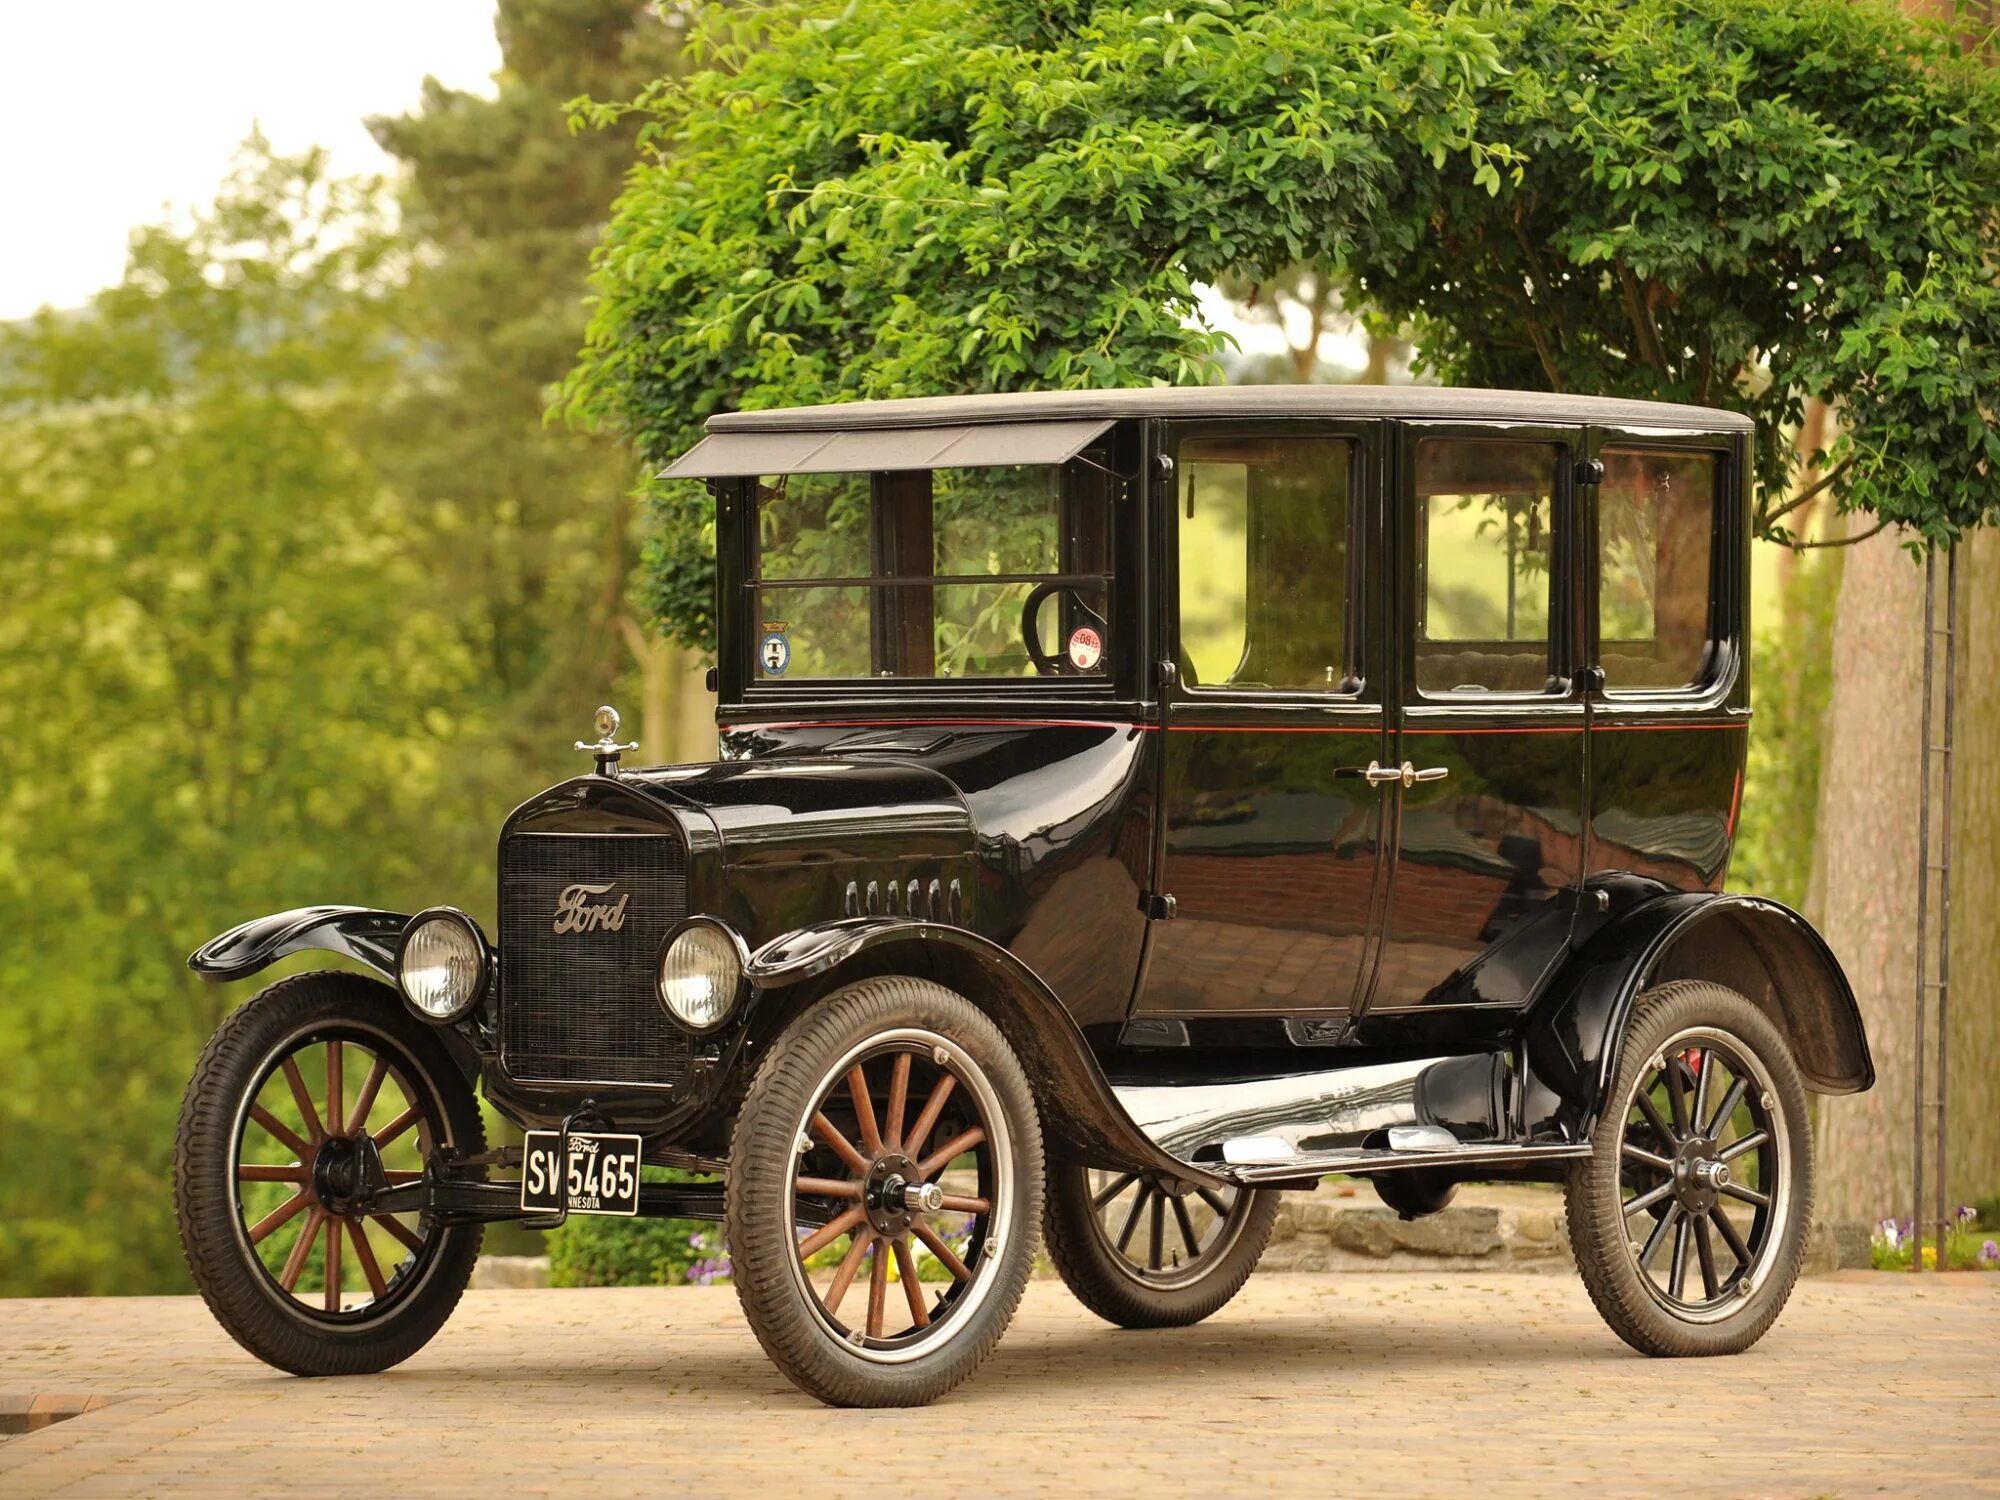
(1142, 1251)
(1690, 1219)
(316, 1093)
(882, 1180)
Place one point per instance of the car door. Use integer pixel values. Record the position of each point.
(1270, 842)
(1489, 729)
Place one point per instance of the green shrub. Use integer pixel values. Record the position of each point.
(594, 1251)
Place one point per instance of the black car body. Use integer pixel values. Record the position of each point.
(1360, 762)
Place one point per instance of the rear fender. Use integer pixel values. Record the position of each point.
(362, 933)
(1081, 1116)
(1759, 948)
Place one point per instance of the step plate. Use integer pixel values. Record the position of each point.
(1368, 1117)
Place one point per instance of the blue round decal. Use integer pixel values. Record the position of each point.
(776, 654)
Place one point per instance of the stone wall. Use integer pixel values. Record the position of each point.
(1319, 1232)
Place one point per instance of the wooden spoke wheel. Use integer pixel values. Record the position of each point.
(1691, 1216)
(906, 1153)
(308, 1152)
(313, 1096)
(881, 1192)
(1144, 1252)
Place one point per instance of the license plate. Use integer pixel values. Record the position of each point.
(601, 1175)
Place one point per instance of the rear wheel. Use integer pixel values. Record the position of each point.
(1143, 1252)
(308, 1092)
(1690, 1218)
(889, 1137)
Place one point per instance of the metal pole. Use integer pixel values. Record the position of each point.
(1944, 895)
(1923, 913)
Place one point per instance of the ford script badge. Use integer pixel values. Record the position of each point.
(577, 912)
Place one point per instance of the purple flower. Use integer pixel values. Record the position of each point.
(1967, 1213)
(1892, 1233)
(1989, 1253)
(708, 1272)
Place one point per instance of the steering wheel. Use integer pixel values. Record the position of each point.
(1046, 665)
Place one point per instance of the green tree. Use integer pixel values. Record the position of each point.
(531, 523)
(1744, 203)
(226, 685)
(863, 201)
(1778, 206)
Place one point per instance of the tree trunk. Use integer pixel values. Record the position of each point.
(1974, 1153)
(1863, 890)
(694, 727)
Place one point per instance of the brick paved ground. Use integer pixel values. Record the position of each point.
(1480, 1385)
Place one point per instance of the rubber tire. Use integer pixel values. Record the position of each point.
(236, 1289)
(762, 1160)
(1597, 1231)
(1095, 1271)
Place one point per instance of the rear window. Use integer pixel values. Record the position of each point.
(982, 573)
(1655, 545)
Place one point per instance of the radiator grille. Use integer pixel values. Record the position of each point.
(580, 1007)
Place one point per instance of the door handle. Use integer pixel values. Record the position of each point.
(1406, 774)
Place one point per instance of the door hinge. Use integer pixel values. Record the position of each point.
(1160, 908)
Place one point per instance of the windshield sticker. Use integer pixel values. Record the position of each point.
(775, 653)
(1085, 648)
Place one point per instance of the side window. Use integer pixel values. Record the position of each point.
(1263, 561)
(1655, 538)
(1484, 544)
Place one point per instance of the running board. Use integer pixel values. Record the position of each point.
(1468, 1158)
(1366, 1117)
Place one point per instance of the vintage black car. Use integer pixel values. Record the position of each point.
(1129, 803)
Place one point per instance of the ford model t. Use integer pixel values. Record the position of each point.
(1129, 804)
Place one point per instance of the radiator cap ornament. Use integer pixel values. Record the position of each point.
(606, 747)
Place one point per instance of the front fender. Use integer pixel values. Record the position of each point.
(1760, 948)
(1080, 1114)
(362, 933)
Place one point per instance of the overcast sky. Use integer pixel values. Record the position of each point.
(110, 109)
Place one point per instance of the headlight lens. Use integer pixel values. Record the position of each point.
(700, 974)
(442, 967)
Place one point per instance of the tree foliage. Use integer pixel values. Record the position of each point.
(292, 566)
(1742, 203)
(855, 201)
(216, 639)
(529, 525)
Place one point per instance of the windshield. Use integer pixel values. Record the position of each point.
(943, 573)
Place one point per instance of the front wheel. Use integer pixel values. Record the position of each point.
(307, 1094)
(1689, 1219)
(889, 1128)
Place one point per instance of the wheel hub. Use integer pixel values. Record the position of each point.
(894, 1193)
(1699, 1174)
(346, 1170)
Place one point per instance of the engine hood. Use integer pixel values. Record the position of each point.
(818, 807)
